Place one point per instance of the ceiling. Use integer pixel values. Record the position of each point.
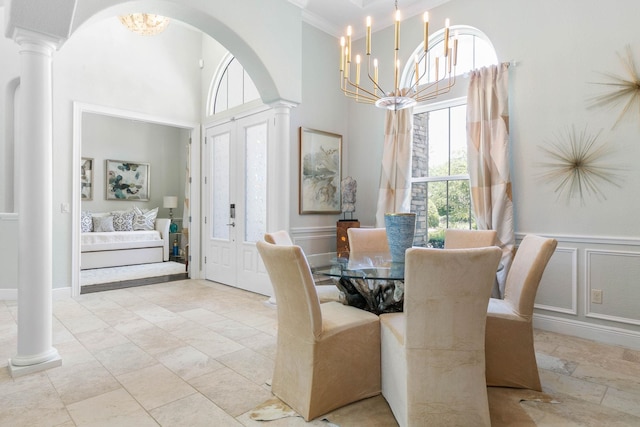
(333, 16)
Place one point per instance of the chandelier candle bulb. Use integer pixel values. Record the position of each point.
(397, 30)
(446, 37)
(347, 65)
(357, 69)
(455, 50)
(349, 44)
(426, 32)
(375, 76)
(368, 35)
(342, 53)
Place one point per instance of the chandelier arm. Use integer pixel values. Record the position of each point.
(374, 79)
(438, 91)
(348, 83)
(435, 93)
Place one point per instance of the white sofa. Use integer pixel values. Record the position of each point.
(119, 248)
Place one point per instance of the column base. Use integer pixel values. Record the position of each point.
(18, 371)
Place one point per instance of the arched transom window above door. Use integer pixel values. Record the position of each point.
(231, 87)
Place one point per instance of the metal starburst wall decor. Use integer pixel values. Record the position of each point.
(576, 166)
(623, 91)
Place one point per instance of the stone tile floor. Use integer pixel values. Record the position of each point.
(193, 352)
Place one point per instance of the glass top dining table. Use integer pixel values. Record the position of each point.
(368, 280)
(366, 265)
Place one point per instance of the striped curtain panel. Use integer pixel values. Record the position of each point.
(395, 178)
(488, 158)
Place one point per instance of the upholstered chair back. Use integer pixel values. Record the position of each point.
(280, 237)
(297, 301)
(368, 240)
(525, 273)
(459, 239)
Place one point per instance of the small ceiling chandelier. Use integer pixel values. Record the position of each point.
(146, 24)
(398, 98)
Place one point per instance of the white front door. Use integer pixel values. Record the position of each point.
(235, 188)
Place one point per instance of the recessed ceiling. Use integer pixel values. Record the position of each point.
(333, 16)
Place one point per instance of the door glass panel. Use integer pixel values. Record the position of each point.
(256, 182)
(220, 186)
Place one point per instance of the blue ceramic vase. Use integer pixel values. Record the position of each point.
(401, 228)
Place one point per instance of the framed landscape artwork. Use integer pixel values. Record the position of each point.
(320, 172)
(86, 179)
(127, 180)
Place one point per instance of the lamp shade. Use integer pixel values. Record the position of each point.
(170, 202)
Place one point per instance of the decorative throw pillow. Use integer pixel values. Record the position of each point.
(122, 220)
(86, 225)
(144, 220)
(102, 223)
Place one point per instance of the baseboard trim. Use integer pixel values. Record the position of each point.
(600, 333)
(8, 294)
(12, 294)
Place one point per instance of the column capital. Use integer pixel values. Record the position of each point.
(36, 42)
(282, 103)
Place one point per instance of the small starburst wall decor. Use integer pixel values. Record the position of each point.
(624, 91)
(577, 167)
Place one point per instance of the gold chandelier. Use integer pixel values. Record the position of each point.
(146, 24)
(371, 92)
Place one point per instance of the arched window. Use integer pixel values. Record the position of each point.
(440, 194)
(474, 51)
(231, 87)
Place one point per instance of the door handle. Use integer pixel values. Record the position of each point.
(233, 224)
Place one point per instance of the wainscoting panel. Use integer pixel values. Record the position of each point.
(617, 275)
(558, 290)
(315, 240)
(579, 265)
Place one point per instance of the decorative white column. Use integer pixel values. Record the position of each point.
(279, 204)
(279, 176)
(34, 174)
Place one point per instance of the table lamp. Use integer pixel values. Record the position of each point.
(171, 202)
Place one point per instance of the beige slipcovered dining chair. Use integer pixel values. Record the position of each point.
(433, 368)
(326, 292)
(368, 240)
(280, 237)
(510, 355)
(328, 355)
(458, 239)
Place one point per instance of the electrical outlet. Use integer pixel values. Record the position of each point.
(596, 296)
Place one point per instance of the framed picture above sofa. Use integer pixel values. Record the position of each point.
(127, 180)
